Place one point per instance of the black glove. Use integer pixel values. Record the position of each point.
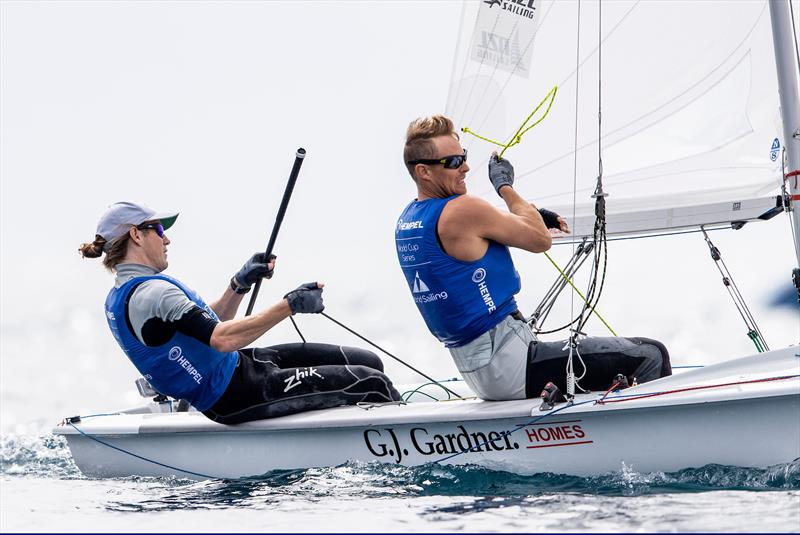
(306, 299)
(550, 218)
(254, 269)
(501, 173)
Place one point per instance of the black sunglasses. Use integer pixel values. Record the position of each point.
(449, 162)
(158, 227)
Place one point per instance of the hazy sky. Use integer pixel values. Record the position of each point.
(200, 106)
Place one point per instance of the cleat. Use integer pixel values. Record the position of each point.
(550, 396)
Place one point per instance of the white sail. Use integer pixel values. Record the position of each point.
(690, 109)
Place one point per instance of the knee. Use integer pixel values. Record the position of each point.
(370, 379)
(362, 357)
(657, 352)
(365, 372)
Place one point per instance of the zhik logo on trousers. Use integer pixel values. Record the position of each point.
(299, 374)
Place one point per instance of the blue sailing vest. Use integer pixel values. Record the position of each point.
(458, 300)
(183, 368)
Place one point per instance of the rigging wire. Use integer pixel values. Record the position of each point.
(575, 148)
(753, 332)
(296, 328)
(579, 256)
(599, 241)
(787, 198)
(373, 344)
(137, 456)
(599, 233)
(398, 359)
(599, 195)
(567, 278)
(794, 32)
(575, 157)
(600, 249)
(573, 341)
(634, 397)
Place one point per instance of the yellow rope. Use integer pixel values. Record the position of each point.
(516, 139)
(596, 313)
(522, 130)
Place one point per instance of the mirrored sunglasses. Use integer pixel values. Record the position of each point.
(158, 227)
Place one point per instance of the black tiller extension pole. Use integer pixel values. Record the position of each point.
(298, 161)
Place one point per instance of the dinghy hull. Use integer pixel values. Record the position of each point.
(718, 415)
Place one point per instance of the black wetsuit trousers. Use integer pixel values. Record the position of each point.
(291, 378)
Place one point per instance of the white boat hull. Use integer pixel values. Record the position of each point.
(727, 414)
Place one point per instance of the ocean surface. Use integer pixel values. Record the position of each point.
(41, 489)
(57, 359)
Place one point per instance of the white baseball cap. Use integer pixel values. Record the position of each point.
(121, 216)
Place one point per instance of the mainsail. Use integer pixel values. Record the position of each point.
(691, 129)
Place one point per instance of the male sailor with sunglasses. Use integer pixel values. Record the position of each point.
(453, 250)
(191, 350)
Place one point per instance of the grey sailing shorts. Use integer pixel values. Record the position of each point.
(494, 364)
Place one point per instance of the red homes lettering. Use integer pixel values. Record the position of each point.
(556, 434)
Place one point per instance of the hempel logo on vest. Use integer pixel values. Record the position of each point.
(176, 354)
(478, 278)
(402, 225)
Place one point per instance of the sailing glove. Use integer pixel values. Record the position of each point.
(501, 173)
(254, 269)
(306, 299)
(550, 218)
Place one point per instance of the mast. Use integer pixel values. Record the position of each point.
(786, 64)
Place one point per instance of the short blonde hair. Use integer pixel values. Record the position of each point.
(418, 138)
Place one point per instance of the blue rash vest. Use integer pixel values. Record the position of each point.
(183, 367)
(458, 300)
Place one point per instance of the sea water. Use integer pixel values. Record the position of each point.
(74, 367)
(41, 489)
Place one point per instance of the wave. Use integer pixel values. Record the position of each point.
(47, 456)
(36, 456)
(356, 481)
